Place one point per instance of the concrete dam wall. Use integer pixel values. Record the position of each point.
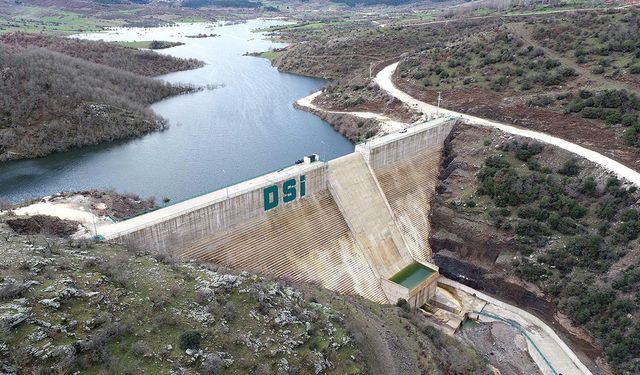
(349, 224)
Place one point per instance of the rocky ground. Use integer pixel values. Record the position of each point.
(69, 306)
(503, 344)
(77, 214)
(483, 215)
(95, 307)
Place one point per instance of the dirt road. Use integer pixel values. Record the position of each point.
(387, 125)
(549, 352)
(384, 80)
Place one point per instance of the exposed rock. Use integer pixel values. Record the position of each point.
(50, 302)
(12, 314)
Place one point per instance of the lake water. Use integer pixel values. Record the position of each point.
(243, 129)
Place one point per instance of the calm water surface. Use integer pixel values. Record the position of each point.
(243, 129)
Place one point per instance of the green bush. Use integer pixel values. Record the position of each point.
(190, 340)
(570, 168)
(588, 186)
(404, 305)
(630, 215)
(629, 119)
(591, 113)
(629, 230)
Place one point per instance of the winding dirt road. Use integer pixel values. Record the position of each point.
(549, 352)
(384, 80)
(387, 125)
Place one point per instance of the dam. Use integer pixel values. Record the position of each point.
(358, 224)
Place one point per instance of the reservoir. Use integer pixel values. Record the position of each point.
(243, 128)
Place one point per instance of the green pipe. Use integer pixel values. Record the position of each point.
(517, 326)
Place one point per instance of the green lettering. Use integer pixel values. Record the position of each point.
(303, 186)
(289, 191)
(270, 197)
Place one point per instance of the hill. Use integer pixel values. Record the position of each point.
(146, 63)
(535, 225)
(60, 93)
(70, 306)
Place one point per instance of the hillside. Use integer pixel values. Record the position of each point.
(146, 63)
(70, 306)
(534, 225)
(505, 67)
(53, 101)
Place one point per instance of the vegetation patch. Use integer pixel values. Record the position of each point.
(78, 306)
(144, 63)
(63, 93)
(564, 225)
(613, 107)
(150, 44)
(43, 224)
(605, 42)
(508, 64)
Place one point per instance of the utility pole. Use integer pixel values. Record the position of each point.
(439, 100)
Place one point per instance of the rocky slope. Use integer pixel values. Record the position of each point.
(553, 234)
(99, 308)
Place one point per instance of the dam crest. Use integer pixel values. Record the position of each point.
(358, 224)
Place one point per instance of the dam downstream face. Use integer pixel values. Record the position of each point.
(244, 128)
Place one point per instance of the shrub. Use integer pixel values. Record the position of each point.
(630, 215)
(540, 101)
(591, 113)
(588, 186)
(578, 211)
(613, 117)
(629, 230)
(631, 136)
(585, 94)
(404, 305)
(570, 168)
(140, 348)
(629, 120)
(230, 311)
(213, 365)
(190, 340)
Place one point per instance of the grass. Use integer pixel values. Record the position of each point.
(135, 44)
(271, 55)
(35, 19)
(146, 44)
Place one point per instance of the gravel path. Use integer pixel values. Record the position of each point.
(387, 125)
(383, 79)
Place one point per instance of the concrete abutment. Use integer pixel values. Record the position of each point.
(351, 224)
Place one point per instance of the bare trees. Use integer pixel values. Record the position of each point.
(52, 102)
(146, 63)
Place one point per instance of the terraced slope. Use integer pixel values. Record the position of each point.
(409, 186)
(309, 241)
